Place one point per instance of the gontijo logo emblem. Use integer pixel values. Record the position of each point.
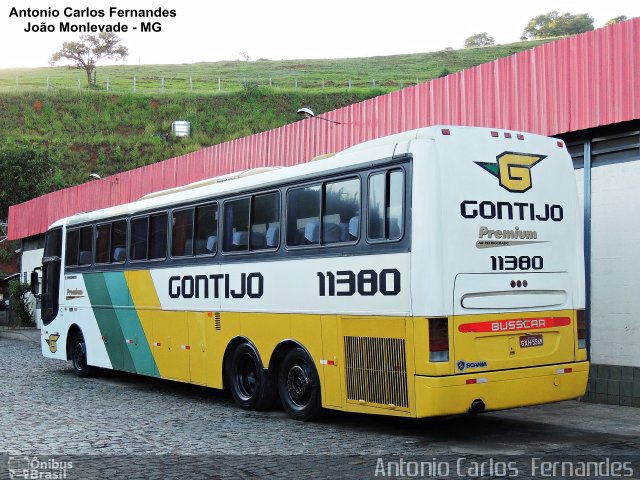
(52, 341)
(513, 170)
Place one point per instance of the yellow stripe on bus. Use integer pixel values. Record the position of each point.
(147, 304)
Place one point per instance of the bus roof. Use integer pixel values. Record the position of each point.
(383, 147)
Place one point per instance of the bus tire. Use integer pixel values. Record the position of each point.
(299, 386)
(251, 385)
(79, 356)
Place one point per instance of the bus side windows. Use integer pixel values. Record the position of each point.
(78, 250)
(339, 208)
(182, 233)
(158, 236)
(236, 225)
(252, 223)
(119, 241)
(148, 237)
(111, 242)
(265, 221)
(386, 206)
(71, 252)
(303, 216)
(341, 212)
(103, 243)
(139, 235)
(206, 230)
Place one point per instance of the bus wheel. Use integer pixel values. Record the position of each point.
(79, 356)
(251, 385)
(299, 386)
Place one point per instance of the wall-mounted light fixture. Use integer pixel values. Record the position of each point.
(98, 177)
(308, 113)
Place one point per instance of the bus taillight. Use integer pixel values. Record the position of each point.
(438, 340)
(582, 329)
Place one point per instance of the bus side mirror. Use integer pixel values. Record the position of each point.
(35, 287)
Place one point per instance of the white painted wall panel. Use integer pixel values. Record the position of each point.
(615, 264)
(30, 260)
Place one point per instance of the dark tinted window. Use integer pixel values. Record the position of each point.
(265, 221)
(182, 233)
(158, 236)
(71, 252)
(86, 240)
(303, 216)
(206, 231)
(119, 241)
(53, 243)
(236, 225)
(139, 238)
(103, 243)
(51, 275)
(341, 212)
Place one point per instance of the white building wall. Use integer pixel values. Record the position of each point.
(30, 260)
(615, 264)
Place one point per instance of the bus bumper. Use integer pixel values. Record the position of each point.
(500, 390)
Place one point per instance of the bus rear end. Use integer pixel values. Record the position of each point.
(503, 308)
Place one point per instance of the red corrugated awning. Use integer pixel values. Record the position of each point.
(572, 84)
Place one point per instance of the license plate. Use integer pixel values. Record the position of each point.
(527, 341)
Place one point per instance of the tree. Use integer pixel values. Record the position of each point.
(479, 40)
(618, 19)
(27, 172)
(553, 24)
(89, 50)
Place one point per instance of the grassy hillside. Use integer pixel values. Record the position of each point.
(389, 72)
(80, 131)
(107, 133)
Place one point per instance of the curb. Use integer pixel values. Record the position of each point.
(24, 334)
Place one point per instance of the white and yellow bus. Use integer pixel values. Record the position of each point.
(433, 272)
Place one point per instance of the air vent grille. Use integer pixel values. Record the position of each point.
(376, 371)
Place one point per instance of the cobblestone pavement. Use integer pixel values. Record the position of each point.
(47, 410)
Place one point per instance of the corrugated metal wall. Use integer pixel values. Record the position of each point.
(572, 84)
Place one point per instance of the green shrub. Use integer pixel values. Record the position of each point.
(20, 302)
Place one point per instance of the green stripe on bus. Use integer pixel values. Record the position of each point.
(136, 341)
(108, 323)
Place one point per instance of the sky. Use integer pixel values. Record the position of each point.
(213, 30)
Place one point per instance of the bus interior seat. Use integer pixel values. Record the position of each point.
(354, 227)
(331, 233)
(119, 254)
(272, 236)
(312, 232)
(200, 246)
(85, 257)
(212, 243)
(240, 238)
